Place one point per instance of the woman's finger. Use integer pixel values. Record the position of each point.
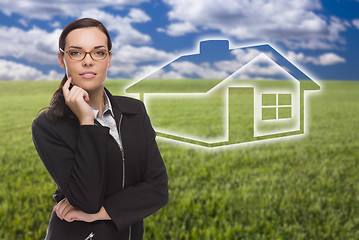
(86, 97)
(65, 208)
(65, 88)
(71, 216)
(77, 94)
(73, 94)
(58, 205)
(77, 100)
(59, 208)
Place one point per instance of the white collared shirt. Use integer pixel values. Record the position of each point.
(108, 119)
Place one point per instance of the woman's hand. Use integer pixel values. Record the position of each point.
(63, 208)
(65, 211)
(78, 215)
(77, 99)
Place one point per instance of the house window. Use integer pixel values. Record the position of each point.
(276, 106)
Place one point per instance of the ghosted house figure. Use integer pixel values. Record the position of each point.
(263, 94)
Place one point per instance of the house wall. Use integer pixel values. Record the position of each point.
(257, 124)
(194, 116)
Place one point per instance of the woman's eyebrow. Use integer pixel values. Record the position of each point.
(101, 46)
(75, 47)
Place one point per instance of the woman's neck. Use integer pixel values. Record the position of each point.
(97, 100)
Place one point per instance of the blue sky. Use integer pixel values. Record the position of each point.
(320, 37)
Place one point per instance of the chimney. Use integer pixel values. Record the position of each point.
(214, 47)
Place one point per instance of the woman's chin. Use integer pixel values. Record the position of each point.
(89, 85)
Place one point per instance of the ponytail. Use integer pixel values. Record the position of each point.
(58, 109)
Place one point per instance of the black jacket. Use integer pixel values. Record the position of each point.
(91, 171)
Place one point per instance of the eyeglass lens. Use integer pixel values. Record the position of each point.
(79, 54)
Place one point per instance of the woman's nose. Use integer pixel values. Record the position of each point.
(87, 61)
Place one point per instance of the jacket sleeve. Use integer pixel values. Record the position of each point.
(78, 171)
(136, 202)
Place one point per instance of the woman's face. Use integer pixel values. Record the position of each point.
(88, 74)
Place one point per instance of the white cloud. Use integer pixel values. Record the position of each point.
(244, 56)
(144, 71)
(126, 70)
(129, 60)
(299, 57)
(23, 22)
(259, 71)
(55, 24)
(219, 69)
(45, 10)
(203, 70)
(356, 23)
(40, 46)
(15, 71)
(161, 74)
(312, 44)
(260, 67)
(125, 33)
(179, 29)
(34, 45)
(336, 26)
(295, 23)
(130, 54)
(137, 16)
(323, 59)
(329, 59)
(126, 61)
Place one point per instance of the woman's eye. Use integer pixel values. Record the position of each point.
(74, 53)
(100, 52)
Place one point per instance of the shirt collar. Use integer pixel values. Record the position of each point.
(108, 107)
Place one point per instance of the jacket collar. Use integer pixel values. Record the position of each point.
(119, 106)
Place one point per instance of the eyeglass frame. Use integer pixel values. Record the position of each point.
(89, 53)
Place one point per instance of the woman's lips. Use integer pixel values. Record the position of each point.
(88, 75)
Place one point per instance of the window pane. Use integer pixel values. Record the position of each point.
(284, 99)
(268, 113)
(284, 112)
(268, 100)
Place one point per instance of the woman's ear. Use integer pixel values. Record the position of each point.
(109, 59)
(60, 57)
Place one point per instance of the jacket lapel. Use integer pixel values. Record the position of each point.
(120, 107)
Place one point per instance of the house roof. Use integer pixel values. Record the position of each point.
(214, 63)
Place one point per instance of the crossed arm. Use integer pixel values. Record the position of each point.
(77, 99)
(65, 211)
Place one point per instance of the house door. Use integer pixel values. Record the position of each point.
(240, 114)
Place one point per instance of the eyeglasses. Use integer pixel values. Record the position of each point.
(79, 54)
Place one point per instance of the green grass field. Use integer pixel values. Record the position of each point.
(303, 187)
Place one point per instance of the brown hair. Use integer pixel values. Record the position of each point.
(58, 108)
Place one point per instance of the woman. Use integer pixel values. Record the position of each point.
(99, 149)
